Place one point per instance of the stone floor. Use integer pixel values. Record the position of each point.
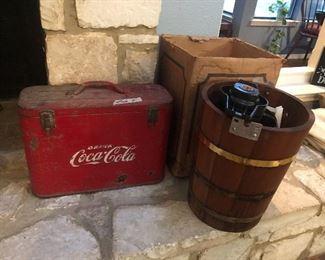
(155, 222)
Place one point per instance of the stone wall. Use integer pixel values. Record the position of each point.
(100, 40)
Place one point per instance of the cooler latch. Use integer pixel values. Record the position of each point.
(47, 121)
(152, 116)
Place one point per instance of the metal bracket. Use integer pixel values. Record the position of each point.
(246, 130)
(47, 120)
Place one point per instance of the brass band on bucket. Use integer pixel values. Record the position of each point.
(242, 160)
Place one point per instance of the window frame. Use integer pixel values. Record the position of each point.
(290, 15)
(228, 14)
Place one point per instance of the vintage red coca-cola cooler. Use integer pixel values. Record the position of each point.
(94, 136)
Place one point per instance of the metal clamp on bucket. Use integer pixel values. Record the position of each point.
(243, 102)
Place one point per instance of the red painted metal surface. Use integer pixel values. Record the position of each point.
(86, 139)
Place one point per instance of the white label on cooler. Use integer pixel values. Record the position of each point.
(127, 101)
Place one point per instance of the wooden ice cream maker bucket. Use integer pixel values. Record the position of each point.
(234, 177)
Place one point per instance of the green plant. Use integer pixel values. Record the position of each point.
(275, 45)
(281, 9)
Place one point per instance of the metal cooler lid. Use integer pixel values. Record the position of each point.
(92, 95)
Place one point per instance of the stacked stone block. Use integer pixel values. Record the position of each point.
(101, 40)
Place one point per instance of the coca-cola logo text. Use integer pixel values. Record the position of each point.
(103, 154)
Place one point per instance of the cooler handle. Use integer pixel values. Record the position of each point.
(98, 84)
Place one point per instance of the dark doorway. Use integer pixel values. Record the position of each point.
(22, 47)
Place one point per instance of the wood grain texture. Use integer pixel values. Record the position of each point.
(231, 196)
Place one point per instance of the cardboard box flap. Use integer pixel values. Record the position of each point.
(186, 63)
(218, 47)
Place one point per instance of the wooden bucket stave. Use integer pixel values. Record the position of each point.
(231, 196)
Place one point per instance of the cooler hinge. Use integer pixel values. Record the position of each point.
(152, 116)
(47, 120)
